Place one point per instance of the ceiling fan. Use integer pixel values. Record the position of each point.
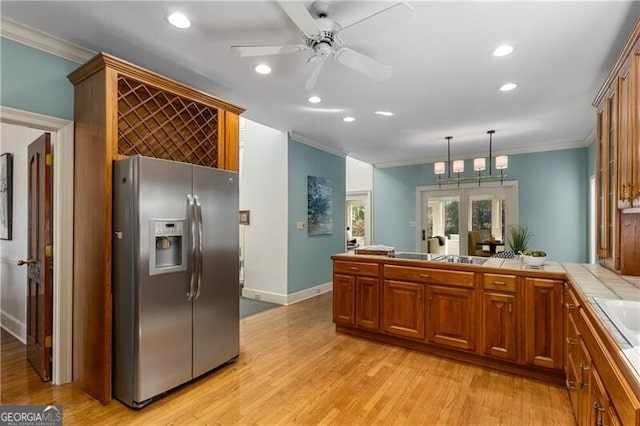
(326, 38)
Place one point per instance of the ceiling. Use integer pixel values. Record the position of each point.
(445, 80)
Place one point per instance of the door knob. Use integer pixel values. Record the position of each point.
(26, 262)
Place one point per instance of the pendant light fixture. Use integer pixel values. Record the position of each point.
(479, 165)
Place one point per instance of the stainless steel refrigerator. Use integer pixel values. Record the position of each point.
(175, 275)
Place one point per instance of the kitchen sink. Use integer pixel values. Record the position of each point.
(469, 260)
(625, 315)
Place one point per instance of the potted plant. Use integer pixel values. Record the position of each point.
(518, 238)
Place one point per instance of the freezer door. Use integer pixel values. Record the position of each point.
(216, 304)
(164, 312)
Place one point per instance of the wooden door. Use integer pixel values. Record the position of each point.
(367, 303)
(403, 309)
(544, 322)
(499, 325)
(40, 256)
(343, 299)
(452, 317)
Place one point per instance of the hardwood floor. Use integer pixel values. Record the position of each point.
(294, 369)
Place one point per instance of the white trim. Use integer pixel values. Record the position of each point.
(591, 137)
(265, 296)
(37, 39)
(62, 231)
(308, 293)
(287, 299)
(310, 142)
(14, 327)
(550, 146)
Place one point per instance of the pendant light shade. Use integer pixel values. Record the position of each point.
(502, 162)
(479, 164)
(438, 168)
(458, 166)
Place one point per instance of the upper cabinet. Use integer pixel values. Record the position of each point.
(121, 110)
(618, 161)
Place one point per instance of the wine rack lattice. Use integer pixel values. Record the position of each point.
(158, 124)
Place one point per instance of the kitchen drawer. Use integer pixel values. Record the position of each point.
(426, 275)
(499, 282)
(356, 268)
(571, 302)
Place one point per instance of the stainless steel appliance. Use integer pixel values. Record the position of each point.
(175, 275)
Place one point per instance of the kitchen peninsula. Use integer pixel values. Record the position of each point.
(499, 313)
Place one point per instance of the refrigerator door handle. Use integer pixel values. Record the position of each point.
(200, 252)
(193, 259)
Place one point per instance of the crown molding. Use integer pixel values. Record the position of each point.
(591, 137)
(37, 39)
(550, 146)
(31, 119)
(310, 142)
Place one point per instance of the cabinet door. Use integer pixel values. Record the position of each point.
(452, 317)
(572, 363)
(403, 312)
(544, 322)
(602, 411)
(499, 325)
(367, 303)
(624, 136)
(343, 299)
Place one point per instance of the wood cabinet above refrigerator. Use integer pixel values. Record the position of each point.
(120, 110)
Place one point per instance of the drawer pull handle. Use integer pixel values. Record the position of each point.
(571, 307)
(571, 341)
(499, 283)
(425, 275)
(353, 268)
(571, 385)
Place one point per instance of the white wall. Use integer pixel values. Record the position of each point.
(263, 191)
(359, 175)
(13, 278)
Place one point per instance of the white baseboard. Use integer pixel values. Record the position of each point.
(14, 327)
(265, 296)
(286, 299)
(309, 293)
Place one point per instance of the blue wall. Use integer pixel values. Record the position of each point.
(553, 200)
(36, 81)
(309, 262)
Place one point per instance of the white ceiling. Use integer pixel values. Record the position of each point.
(445, 80)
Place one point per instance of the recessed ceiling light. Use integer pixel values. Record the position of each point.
(508, 86)
(349, 119)
(178, 20)
(385, 113)
(503, 50)
(314, 99)
(263, 69)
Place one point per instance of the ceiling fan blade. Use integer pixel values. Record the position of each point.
(300, 16)
(373, 25)
(311, 71)
(364, 64)
(266, 50)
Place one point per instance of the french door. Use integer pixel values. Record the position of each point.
(456, 221)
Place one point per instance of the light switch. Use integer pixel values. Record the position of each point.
(300, 225)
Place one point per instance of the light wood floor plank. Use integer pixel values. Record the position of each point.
(295, 369)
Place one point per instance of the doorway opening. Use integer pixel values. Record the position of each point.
(358, 219)
(62, 134)
(466, 220)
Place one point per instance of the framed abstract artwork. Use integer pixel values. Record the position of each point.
(6, 195)
(319, 206)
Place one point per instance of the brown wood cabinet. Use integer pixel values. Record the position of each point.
(590, 398)
(356, 289)
(452, 319)
(403, 309)
(499, 325)
(618, 161)
(543, 318)
(121, 110)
